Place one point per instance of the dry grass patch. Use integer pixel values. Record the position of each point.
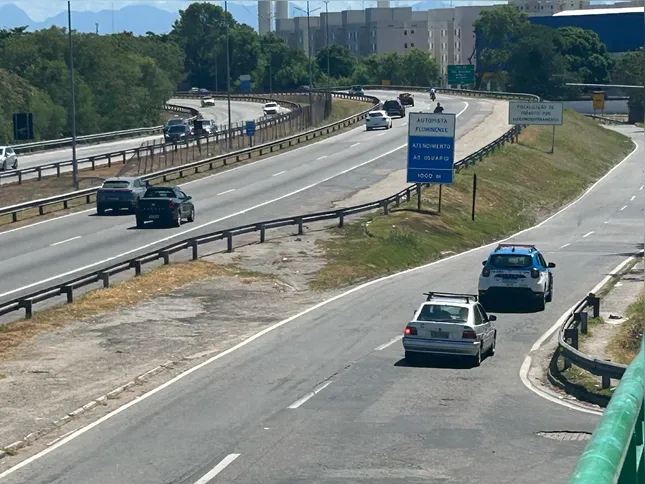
(516, 187)
(158, 281)
(626, 343)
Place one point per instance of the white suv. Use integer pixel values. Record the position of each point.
(450, 324)
(8, 158)
(516, 272)
(377, 119)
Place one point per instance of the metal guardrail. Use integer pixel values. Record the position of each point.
(102, 275)
(614, 455)
(605, 119)
(195, 167)
(90, 161)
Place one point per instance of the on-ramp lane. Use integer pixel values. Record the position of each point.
(378, 419)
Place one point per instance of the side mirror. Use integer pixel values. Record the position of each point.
(484, 262)
(551, 265)
(492, 317)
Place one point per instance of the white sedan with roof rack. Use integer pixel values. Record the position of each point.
(378, 119)
(451, 324)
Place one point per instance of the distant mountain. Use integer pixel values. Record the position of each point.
(137, 19)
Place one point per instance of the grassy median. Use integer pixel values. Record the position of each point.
(516, 187)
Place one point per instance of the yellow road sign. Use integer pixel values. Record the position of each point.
(598, 101)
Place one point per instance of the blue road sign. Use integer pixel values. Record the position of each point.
(431, 148)
(250, 128)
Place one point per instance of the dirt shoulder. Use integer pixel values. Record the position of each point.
(115, 344)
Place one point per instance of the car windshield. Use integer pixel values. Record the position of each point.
(391, 104)
(444, 313)
(159, 193)
(116, 184)
(177, 129)
(511, 260)
(175, 122)
(376, 115)
(270, 105)
(207, 123)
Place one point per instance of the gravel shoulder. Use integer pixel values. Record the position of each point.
(57, 372)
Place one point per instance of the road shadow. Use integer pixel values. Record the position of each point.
(509, 308)
(443, 362)
(113, 213)
(422, 212)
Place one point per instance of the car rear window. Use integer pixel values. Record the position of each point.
(391, 104)
(116, 184)
(175, 122)
(177, 129)
(376, 115)
(444, 313)
(159, 193)
(511, 260)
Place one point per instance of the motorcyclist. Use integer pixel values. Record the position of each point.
(438, 109)
(433, 94)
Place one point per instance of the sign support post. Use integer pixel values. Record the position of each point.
(431, 149)
(439, 210)
(553, 141)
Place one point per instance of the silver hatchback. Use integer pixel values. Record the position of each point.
(8, 158)
(451, 324)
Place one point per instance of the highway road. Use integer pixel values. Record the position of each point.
(325, 397)
(38, 253)
(240, 111)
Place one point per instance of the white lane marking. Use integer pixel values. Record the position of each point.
(210, 475)
(13, 291)
(565, 245)
(382, 134)
(606, 221)
(324, 156)
(227, 191)
(389, 343)
(355, 144)
(632, 199)
(65, 241)
(623, 208)
(403, 124)
(298, 403)
(309, 310)
(526, 365)
(279, 173)
(587, 234)
(641, 187)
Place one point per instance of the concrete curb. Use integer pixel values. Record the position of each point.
(13, 448)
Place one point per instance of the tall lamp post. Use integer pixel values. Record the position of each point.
(311, 82)
(73, 95)
(228, 76)
(327, 41)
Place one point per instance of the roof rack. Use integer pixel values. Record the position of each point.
(455, 295)
(526, 246)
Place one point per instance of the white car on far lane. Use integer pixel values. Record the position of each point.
(377, 119)
(8, 158)
(208, 101)
(271, 108)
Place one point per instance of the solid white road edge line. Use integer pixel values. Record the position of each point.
(210, 475)
(66, 240)
(304, 399)
(526, 365)
(279, 173)
(587, 234)
(302, 313)
(355, 144)
(197, 227)
(565, 245)
(389, 343)
(299, 315)
(623, 208)
(632, 199)
(227, 191)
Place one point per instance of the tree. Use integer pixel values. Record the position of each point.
(342, 61)
(585, 54)
(630, 70)
(500, 27)
(419, 68)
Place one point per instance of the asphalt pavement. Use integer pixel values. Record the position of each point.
(328, 399)
(240, 111)
(36, 255)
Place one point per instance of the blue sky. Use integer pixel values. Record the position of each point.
(41, 9)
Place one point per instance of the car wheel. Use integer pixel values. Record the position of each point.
(540, 304)
(491, 350)
(410, 357)
(477, 359)
(4, 166)
(368, 129)
(549, 296)
(140, 223)
(191, 215)
(15, 164)
(178, 221)
(100, 210)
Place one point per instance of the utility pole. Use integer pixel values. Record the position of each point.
(327, 40)
(96, 24)
(311, 82)
(228, 76)
(73, 95)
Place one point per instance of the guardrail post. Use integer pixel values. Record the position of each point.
(407, 194)
(572, 335)
(104, 277)
(40, 172)
(606, 381)
(262, 230)
(229, 242)
(594, 301)
(384, 204)
(57, 170)
(109, 158)
(166, 257)
(341, 219)
(193, 245)
(136, 265)
(69, 292)
(29, 308)
(584, 316)
(299, 222)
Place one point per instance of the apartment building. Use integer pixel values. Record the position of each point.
(446, 34)
(543, 8)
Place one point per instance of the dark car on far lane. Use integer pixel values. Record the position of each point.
(120, 192)
(393, 107)
(165, 205)
(406, 99)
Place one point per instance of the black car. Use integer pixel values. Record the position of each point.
(393, 107)
(173, 122)
(120, 192)
(165, 205)
(406, 99)
(177, 133)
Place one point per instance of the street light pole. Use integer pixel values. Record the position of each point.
(228, 76)
(311, 82)
(327, 40)
(73, 95)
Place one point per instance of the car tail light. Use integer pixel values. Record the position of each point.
(171, 205)
(410, 331)
(486, 272)
(469, 334)
(535, 273)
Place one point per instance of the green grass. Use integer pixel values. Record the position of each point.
(516, 187)
(626, 343)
